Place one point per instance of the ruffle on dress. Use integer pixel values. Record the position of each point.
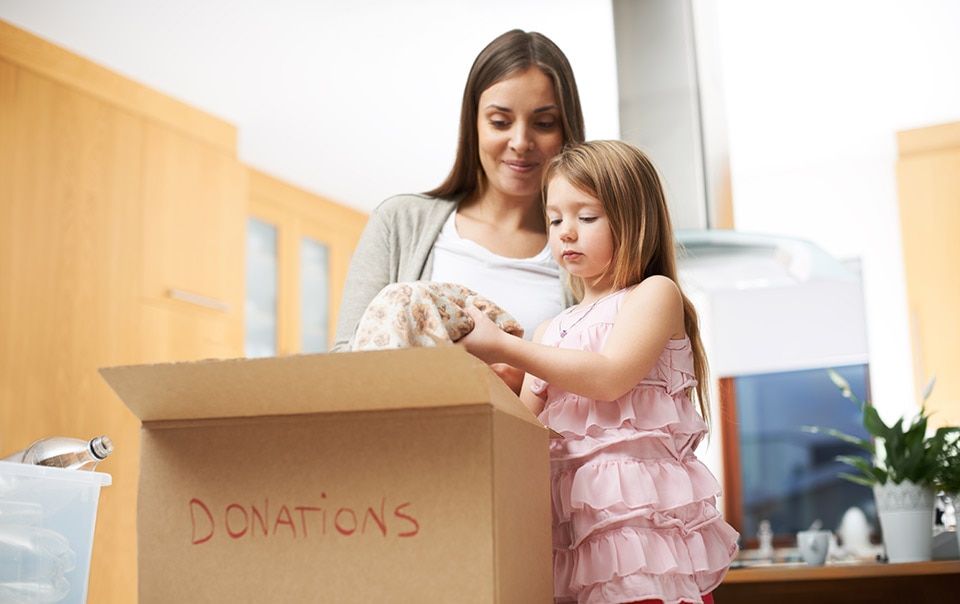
(648, 407)
(588, 425)
(689, 563)
(570, 533)
(602, 493)
(645, 587)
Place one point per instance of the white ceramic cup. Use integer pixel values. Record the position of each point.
(813, 546)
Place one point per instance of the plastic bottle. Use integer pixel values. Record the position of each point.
(33, 562)
(29, 553)
(42, 592)
(65, 452)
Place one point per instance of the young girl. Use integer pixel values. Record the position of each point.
(635, 517)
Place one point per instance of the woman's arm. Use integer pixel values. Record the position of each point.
(651, 314)
(511, 376)
(370, 271)
(528, 397)
(395, 246)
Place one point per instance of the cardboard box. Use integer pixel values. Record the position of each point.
(389, 476)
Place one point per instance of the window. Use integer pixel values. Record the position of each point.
(776, 471)
(260, 312)
(315, 295)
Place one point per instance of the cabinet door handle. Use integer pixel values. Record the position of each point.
(199, 300)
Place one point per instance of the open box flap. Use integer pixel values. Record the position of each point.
(416, 378)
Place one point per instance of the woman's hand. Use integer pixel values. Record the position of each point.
(510, 375)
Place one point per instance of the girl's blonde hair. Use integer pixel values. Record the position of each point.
(625, 182)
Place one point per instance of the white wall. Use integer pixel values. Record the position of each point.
(354, 100)
(815, 93)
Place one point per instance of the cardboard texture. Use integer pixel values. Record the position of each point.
(388, 476)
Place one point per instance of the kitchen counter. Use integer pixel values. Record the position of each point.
(846, 583)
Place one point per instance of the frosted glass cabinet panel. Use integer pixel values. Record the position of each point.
(260, 312)
(314, 296)
(299, 248)
(289, 289)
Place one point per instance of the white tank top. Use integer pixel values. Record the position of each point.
(527, 288)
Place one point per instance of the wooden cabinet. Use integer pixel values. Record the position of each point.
(70, 302)
(298, 251)
(111, 197)
(123, 225)
(928, 178)
(194, 198)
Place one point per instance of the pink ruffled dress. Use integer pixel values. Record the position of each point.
(634, 510)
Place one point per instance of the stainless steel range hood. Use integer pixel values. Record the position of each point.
(729, 260)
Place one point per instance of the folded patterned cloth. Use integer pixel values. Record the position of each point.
(424, 313)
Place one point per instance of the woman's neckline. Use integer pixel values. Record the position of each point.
(539, 242)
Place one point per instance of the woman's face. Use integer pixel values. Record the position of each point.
(519, 129)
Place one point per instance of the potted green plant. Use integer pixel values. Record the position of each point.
(948, 474)
(948, 478)
(903, 468)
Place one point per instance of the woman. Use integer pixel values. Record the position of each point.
(483, 227)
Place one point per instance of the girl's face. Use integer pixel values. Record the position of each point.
(580, 236)
(519, 129)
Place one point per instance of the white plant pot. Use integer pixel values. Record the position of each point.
(906, 520)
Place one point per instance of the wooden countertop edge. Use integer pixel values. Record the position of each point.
(802, 572)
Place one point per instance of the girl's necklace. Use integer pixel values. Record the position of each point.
(563, 332)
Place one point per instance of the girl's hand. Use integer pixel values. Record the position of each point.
(485, 341)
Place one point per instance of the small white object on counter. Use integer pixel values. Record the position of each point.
(854, 534)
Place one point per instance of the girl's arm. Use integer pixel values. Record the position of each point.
(534, 402)
(651, 315)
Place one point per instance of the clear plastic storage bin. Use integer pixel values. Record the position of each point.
(47, 518)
